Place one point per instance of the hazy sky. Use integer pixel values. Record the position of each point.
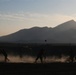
(20, 14)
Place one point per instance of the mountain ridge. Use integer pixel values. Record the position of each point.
(63, 33)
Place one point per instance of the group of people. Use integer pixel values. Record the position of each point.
(42, 52)
(41, 55)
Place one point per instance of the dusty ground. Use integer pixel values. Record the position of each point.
(37, 69)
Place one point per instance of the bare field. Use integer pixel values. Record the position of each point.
(37, 68)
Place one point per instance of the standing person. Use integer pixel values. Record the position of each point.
(71, 53)
(40, 56)
(21, 52)
(71, 56)
(5, 55)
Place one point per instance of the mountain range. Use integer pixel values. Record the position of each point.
(63, 33)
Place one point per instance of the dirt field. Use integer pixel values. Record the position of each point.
(37, 69)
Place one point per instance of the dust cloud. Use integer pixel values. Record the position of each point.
(29, 59)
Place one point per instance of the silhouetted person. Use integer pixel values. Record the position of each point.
(71, 56)
(5, 55)
(21, 52)
(40, 55)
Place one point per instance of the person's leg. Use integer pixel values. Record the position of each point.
(36, 59)
(71, 59)
(8, 59)
(41, 59)
(5, 58)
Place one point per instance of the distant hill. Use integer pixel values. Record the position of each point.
(66, 26)
(63, 33)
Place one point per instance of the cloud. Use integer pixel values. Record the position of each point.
(36, 19)
(4, 0)
(14, 0)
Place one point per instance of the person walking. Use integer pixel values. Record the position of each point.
(40, 55)
(5, 55)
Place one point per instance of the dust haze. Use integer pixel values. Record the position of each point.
(31, 59)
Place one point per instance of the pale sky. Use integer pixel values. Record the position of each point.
(21, 14)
